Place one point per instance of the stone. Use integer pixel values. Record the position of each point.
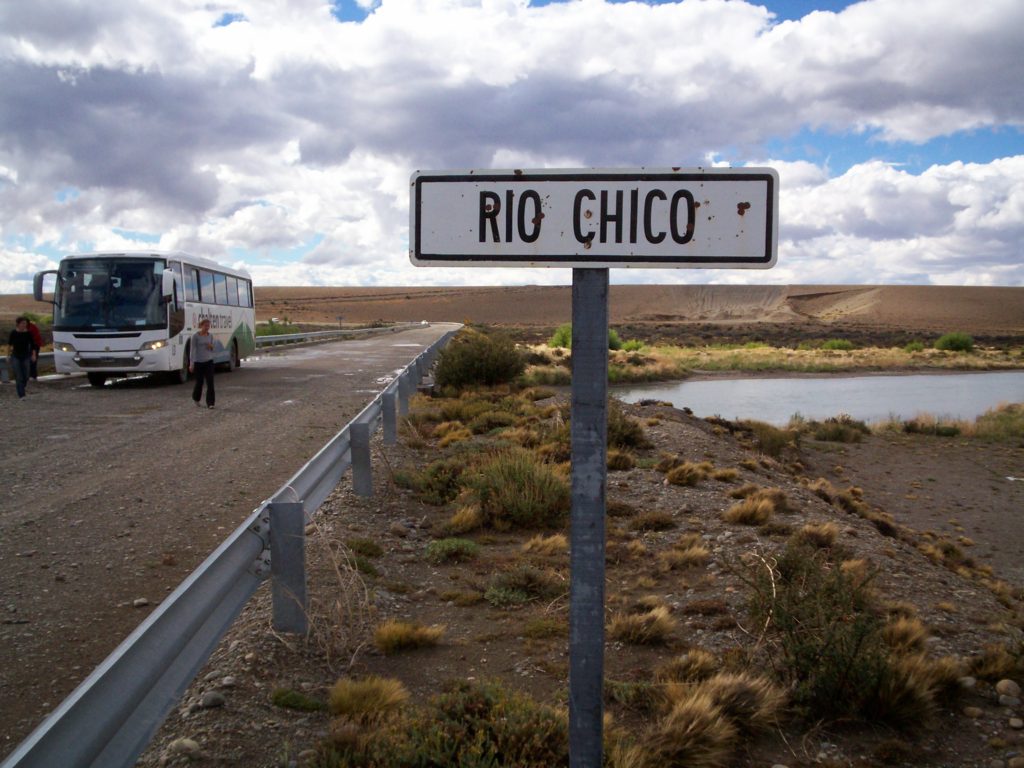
(212, 700)
(973, 712)
(1008, 688)
(140, 602)
(1008, 701)
(1016, 723)
(1015, 762)
(184, 746)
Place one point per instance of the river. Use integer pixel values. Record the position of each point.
(870, 398)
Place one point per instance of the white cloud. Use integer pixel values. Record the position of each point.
(292, 132)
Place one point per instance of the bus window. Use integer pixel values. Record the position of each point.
(233, 291)
(192, 284)
(206, 287)
(243, 293)
(220, 284)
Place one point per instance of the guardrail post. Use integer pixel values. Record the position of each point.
(403, 393)
(359, 441)
(389, 422)
(288, 567)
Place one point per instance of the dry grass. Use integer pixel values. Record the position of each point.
(394, 636)
(753, 703)
(688, 473)
(556, 544)
(820, 535)
(695, 733)
(906, 635)
(692, 666)
(367, 699)
(654, 627)
(753, 510)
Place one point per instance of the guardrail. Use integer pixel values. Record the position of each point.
(46, 358)
(108, 720)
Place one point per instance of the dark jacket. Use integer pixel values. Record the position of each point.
(22, 344)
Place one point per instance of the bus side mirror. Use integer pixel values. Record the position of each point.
(37, 285)
(168, 287)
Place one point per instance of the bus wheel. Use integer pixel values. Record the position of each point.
(97, 379)
(180, 376)
(233, 360)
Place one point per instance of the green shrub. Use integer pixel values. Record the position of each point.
(292, 699)
(839, 429)
(562, 338)
(914, 346)
(844, 345)
(955, 342)
(438, 484)
(272, 328)
(624, 431)
(770, 439)
(633, 345)
(1001, 423)
(515, 489)
(474, 358)
(827, 638)
(365, 547)
(451, 550)
(522, 584)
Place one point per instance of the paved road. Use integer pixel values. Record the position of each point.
(111, 497)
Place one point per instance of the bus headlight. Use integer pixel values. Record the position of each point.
(63, 346)
(158, 344)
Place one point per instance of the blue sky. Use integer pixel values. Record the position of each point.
(280, 135)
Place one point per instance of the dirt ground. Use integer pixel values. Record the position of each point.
(77, 578)
(939, 489)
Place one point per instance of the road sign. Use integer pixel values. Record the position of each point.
(594, 218)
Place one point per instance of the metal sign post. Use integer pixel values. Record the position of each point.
(590, 220)
(589, 436)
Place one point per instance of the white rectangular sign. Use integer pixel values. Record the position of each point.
(685, 218)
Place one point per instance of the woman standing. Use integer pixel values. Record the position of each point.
(24, 352)
(200, 363)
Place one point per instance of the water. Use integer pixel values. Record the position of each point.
(868, 398)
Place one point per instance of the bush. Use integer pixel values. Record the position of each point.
(470, 725)
(367, 699)
(844, 345)
(914, 346)
(827, 634)
(451, 550)
(624, 431)
(633, 345)
(955, 342)
(474, 358)
(562, 338)
(514, 489)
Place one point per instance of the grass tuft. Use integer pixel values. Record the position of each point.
(367, 699)
(394, 636)
(651, 628)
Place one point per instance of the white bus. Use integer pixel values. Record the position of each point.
(116, 314)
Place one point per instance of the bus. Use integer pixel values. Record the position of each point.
(117, 314)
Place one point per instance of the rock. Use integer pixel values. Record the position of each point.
(307, 757)
(397, 529)
(229, 681)
(973, 712)
(1008, 688)
(1016, 723)
(212, 700)
(184, 746)
(1009, 701)
(968, 683)
(140, 602)
(1015, 762)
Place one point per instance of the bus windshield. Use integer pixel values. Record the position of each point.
(109, 293)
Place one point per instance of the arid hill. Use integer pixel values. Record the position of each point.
(688, 312)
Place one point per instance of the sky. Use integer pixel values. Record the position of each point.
(280, 135)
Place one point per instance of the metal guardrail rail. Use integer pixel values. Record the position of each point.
(108, 720)
(46, 358)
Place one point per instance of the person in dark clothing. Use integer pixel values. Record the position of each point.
(200, 363)
(37, 337)
(23, 352)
